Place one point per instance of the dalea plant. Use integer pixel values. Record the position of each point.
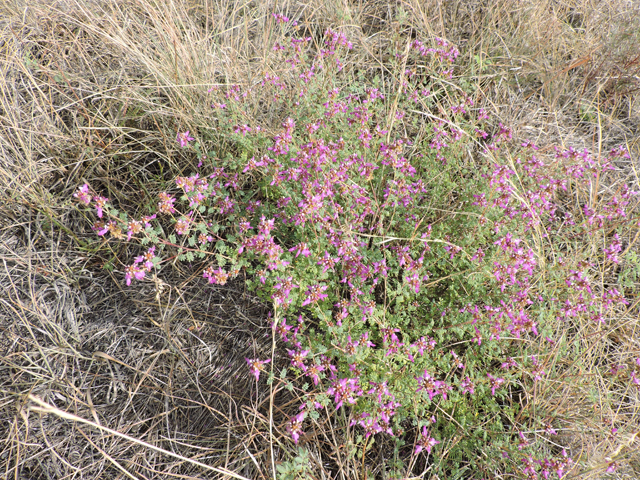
(418, 259)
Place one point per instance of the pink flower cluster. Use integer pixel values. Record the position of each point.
(431, 386)
(140, 267)
(83, 195)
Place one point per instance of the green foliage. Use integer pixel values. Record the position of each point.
(297, 468)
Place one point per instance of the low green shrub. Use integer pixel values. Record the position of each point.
(418, 259)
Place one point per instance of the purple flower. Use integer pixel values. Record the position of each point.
(165, 205)
(433, 387)
(314, 294)
(83, 194)
(256, 366)
(325, 361)
(613, 249)
(102, 228)
(294, 426)
(148, 219)
(215, 276)
(133, 271)
(467, 386)
(242, 129)
(134, 227)
(147, 259)
(426, 442)
(280, 18)
(511, 363)
(427, 343)
(327, 262)
(495, 383)
(297, 358)
(562, 466)
(301, 249)
(282, 329)
(313, 372)
(413, 281)
(380, 390)
(100, 203)
(182, 225)
(184, 138)
(252, 164)
(345, 390)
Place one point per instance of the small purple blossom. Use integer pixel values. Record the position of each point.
(216, 276)
(426, 441)
(432, 386)
(345, 390)
(294, 426)
(184, 138)
(467, 386)
(297, 358)
(282, 329)
(613, 249)
(133, 271)
(313, 372)
(495, 383)
(314, 294)
(165, 205)
(423, 344)
(83, 194)
(301, 249)
(134, 227)
(100, 203)
(256, 366)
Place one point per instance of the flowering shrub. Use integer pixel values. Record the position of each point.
(417, 258)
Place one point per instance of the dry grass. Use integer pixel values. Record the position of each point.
(95, 91)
